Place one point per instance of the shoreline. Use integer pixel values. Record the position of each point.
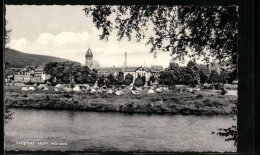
(199, 103)
(127, 113)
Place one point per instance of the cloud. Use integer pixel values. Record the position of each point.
(19, 43)
(62, 38)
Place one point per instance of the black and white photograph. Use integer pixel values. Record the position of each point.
(124, 78)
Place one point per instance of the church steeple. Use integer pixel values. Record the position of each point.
(89, 58)
(89, 53)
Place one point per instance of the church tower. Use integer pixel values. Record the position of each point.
(89, 59)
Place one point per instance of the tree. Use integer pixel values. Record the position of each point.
(139, 81)
(111, 80)
(128, 79)
(8, 114)
(84, 75)
(192, 73)
(232, 76)
(101, 81)
(196, 31)
(151, 80)
(204, 73)
(7, 34)
(120, 78)
(168, 78)
(67, 72)
(223, 76)
(214, 77)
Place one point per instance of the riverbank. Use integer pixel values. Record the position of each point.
(203, 102)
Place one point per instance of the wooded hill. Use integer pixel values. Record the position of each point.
(14, 58)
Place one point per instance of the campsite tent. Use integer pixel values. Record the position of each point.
(189, 89)
(150, 91)
(139, 88)
(25, 88)
(45, 88)
(134, 92)
(58, 86)
(76, 88)
(119, 92)
(196, 89)
(159, 90)
(31, 88)
(95, 85)
(109, 91)
(66, 89)
(99, 90)
(92, 90)
(165, 88)
(41, 86)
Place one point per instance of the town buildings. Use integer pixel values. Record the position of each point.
(134, 71)
(29, 74)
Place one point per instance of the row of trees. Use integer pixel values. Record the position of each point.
(121, 80)
(72, 72)
(194, 74)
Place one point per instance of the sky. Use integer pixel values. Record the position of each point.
(65, 32)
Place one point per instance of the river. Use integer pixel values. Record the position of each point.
(92, 131)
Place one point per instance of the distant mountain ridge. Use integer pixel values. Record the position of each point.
(14, 58)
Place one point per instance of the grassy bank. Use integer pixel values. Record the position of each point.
(202, 102)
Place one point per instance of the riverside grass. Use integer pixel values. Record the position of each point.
(203, 102)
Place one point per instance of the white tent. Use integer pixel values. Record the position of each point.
(165, 88)
(189, 89)
(134, 92)
(58, 85)
(109, 91)
(130, 88)
(95, 85)
(92, 90)
(66, 89)
(45, 88)
(159, 90)
(31, 88)
(76, 88)
(41, 86)
(150, 91)
(119, 92)
(196, 89)
(139, 88)
(25, 88)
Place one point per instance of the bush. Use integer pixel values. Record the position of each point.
(199, 96)
(217, 86)
(139, 81)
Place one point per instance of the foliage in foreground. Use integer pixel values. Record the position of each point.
(231, 132)
(8, 115)
(194, 31)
